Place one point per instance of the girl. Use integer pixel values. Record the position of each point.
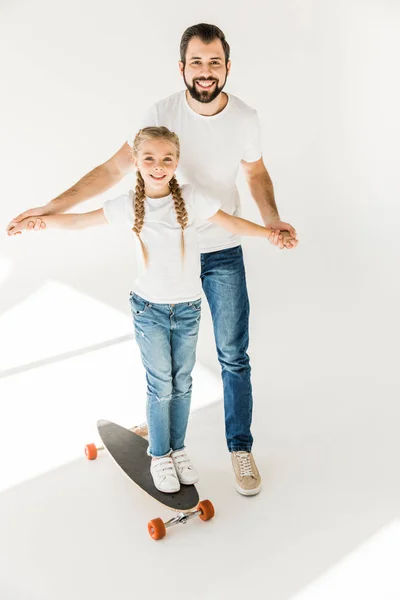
(166, 295)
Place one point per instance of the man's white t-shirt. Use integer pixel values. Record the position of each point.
(167, 279)
(211, 151)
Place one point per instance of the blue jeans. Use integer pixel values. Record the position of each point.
(224, 283)
(167, 337)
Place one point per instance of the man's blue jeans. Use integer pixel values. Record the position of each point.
(167, 337)
(224, 283)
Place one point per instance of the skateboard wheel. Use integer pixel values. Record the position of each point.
(157, 529)
(207, 510)
(91, 451)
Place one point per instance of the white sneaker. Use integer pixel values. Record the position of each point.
(164, 475)
(186, 472)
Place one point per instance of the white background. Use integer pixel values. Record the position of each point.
(324, 320)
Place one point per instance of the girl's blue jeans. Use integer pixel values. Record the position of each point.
(167, 337)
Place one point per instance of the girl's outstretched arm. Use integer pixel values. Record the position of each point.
(241, 226)
(61, 221)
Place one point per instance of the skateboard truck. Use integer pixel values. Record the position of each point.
(158, 529)
(181, 518)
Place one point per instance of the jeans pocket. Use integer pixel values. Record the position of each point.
(138, 304)
(196, 305)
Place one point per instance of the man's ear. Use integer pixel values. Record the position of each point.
(181, 66)
(228, 67)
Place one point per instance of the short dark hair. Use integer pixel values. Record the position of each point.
(207, 33)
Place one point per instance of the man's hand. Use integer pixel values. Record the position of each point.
(282, 235)
(35, 224)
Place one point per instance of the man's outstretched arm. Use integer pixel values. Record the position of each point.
(262, 190)
(93, 183)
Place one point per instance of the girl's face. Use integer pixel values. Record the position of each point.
(157, 161)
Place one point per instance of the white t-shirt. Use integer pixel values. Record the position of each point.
(211, 151)
(167, 279)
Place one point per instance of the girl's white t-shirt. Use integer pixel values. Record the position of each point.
(167, 278)
(211, 150)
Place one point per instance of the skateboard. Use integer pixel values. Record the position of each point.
(129, 450)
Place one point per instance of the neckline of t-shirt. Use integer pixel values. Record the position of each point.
(158, 199)
(208, 117)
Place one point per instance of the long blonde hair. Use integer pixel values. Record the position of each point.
(153, 133)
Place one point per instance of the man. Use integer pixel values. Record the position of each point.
(217, 132)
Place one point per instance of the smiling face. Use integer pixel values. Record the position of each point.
(157, 161)
(205, 70)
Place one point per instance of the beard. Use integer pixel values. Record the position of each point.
(204, 96)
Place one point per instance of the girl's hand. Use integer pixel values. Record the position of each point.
(288, 241)
(282, 234)
(26, 225)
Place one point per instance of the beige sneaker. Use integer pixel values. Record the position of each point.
(141, 430)
(248, 480)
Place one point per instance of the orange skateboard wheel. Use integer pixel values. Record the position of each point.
(91, 451)
(207, 510)
(157, 529)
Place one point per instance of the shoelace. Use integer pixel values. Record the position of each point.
(182, 460)
(244, 464)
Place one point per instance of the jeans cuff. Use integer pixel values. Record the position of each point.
(247, 449)
(160, 456)
(179, 449)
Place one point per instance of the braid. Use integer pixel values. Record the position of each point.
(180, 209)
(139, 212)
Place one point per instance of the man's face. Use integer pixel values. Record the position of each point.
(205, 71)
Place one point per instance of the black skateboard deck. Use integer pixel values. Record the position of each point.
(129, 451)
